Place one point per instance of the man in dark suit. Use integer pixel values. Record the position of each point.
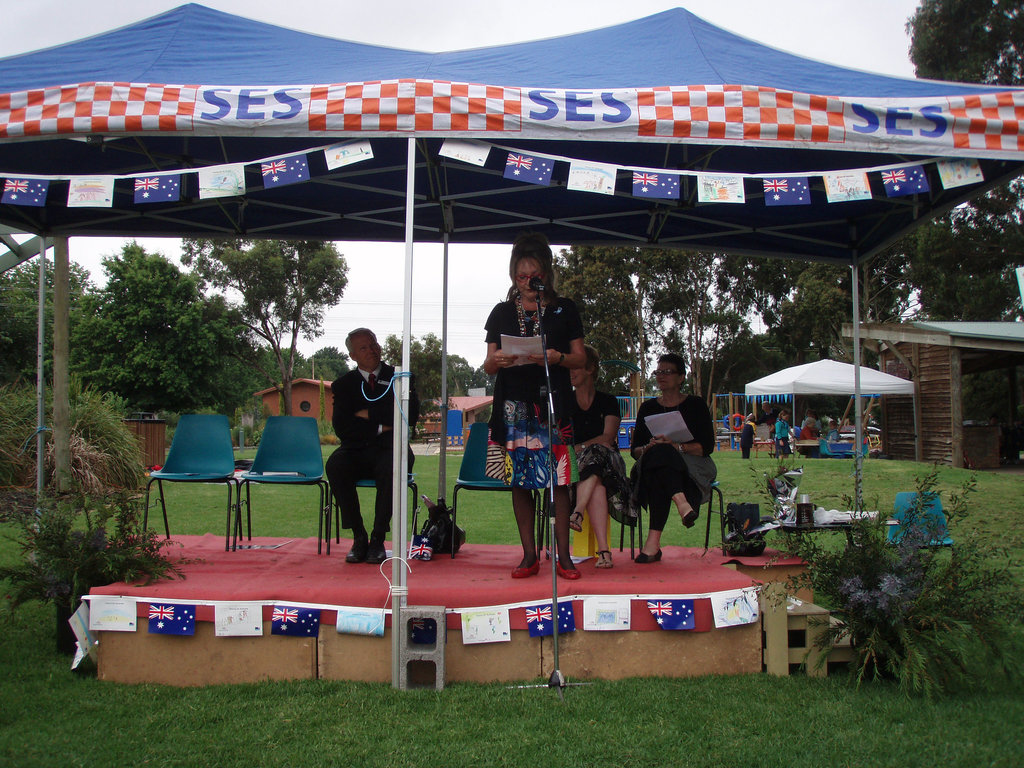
(364, 423)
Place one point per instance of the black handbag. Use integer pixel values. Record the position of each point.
(439, 529)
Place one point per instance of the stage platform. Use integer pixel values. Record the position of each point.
(290, 572)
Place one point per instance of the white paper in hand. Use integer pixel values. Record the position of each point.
(670, 424)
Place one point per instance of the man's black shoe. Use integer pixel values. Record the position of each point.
(375, 552)
(358, 552)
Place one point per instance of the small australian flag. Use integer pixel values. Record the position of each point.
(786, 190)
(532, 170)
(538, 619)
(25, 192)
(664, 186)
(421, 548)
(423, 631)
(298, 622)
(909, 180)
(287, 170)
(672, 614)
(172, 619)
(158, 189)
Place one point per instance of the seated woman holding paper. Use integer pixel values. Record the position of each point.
(673, 456)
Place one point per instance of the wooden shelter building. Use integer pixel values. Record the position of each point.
(937, 356)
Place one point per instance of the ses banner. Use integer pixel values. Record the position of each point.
(984, 125)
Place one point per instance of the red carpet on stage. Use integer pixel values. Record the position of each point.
(290, 570)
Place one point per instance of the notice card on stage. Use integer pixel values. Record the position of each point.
(671, 425)
(522, 347)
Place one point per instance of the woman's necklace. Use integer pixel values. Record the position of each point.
(522, 315)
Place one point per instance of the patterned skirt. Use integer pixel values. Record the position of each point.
(528, 457)
(608, 465)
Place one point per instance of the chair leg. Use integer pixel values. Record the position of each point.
(163, 506)
(455, 518)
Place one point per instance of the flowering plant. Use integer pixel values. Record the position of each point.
(76, 543)
(931, 618)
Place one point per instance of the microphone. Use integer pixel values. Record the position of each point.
(536, 284)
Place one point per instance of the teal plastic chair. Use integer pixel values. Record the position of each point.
(201, 452)
(369, 482)
(472, 476)
(927, 525)
(289, 454)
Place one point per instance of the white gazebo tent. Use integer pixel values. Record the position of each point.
(831, 377)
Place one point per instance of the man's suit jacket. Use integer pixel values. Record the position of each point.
(350, 395)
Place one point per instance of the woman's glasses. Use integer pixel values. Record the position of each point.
(523, 277)
(666, 372)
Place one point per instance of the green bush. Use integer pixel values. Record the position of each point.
(79, 542)
(933, 619)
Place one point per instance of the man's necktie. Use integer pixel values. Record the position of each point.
(373, 383)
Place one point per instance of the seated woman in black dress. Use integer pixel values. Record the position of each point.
(595, 429)
(667, 471)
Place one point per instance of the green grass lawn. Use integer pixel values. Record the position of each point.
(51, 716)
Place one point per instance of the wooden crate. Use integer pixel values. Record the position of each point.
(790, 628)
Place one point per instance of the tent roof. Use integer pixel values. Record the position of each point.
(828, 377)
(195, 88)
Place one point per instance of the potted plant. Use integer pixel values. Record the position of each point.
(76, 543)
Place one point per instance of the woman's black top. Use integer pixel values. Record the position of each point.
(588, 424)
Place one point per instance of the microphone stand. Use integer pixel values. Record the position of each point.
(556, 680)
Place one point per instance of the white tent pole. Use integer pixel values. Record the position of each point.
(858, 444)
(400, 457)
(442, 474)
(41, 377)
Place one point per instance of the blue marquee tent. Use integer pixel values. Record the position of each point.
(196, 88)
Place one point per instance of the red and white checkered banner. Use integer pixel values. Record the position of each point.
(990, 124)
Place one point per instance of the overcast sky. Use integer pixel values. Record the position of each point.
(862, 34)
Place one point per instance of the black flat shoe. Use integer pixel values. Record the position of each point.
(691, 518)
(375, 552)
(358, 552)
(643, 557)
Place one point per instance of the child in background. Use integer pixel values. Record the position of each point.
(782, 434)
(833, 431)
(747, 436)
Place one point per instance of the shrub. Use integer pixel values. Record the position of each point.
(80, 542)
(933, 619)
(104, 452)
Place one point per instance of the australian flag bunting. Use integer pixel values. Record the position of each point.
(909, 180)
(538, 619)
(788, 190)
(532, 170)
(288, 170)
(172, 619)
(158, 189)
(25, 192)
(672, 614)
(664, 186)
(298, 622)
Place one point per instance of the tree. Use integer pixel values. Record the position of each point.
(328, 363)
(151, 337)
(974, 41)
(19, 317)
(285, 286)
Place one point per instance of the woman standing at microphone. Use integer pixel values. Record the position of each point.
(519, 415)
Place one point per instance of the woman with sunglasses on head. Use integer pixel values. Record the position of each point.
(519, 414)
(669, 472)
